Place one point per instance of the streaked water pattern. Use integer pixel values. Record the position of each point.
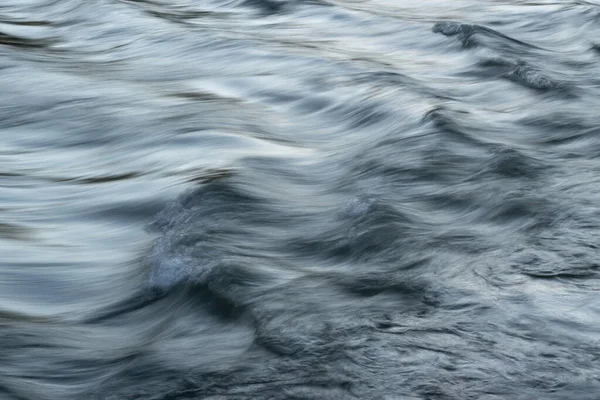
(299, 199)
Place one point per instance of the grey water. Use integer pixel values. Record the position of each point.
(299, 199)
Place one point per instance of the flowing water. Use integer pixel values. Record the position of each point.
(299, 199)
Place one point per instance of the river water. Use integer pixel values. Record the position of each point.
(299, 199)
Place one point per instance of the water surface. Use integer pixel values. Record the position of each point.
(301, 199)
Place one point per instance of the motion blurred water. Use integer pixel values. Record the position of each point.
(299, 199)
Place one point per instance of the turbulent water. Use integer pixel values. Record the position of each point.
(299, 199)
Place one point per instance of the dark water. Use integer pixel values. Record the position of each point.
(300, 199)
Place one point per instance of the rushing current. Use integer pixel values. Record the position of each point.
(299, 199)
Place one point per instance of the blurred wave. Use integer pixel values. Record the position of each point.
(307, 199)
